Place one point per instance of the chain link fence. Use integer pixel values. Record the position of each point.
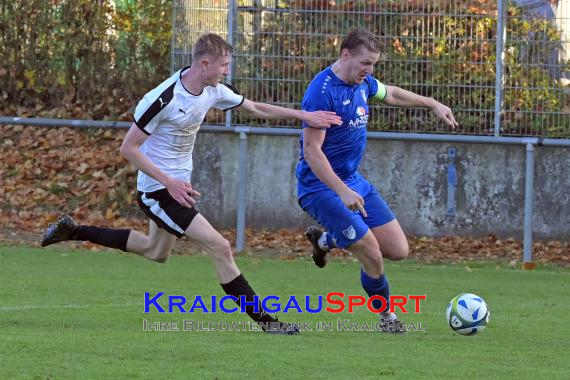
(446, 49)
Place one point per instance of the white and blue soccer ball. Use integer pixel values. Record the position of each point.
(467, 314)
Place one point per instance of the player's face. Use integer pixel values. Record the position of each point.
(216, 69)
(360, 63)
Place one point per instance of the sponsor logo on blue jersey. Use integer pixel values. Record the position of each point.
(361, 119)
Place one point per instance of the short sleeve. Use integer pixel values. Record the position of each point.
(151, 108)
(228, 97)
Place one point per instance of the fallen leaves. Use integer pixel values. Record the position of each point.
(54, 170)
(38, 164)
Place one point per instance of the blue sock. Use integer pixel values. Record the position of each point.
(376, 287)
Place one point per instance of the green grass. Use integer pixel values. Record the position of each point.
(98, 335)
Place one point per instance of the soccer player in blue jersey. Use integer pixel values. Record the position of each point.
(330, 188)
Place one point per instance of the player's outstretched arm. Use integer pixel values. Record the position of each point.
(396, 96)
(317, 119)
(130, 149)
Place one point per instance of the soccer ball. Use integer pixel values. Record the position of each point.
(467, 314)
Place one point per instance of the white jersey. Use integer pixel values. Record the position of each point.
(172, 116)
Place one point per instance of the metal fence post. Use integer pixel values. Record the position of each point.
(231, 29)
(499, 63)
(528, 203)
(173, 39)
(242, 189)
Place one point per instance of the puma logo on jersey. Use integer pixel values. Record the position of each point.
(181, 110)
(162, 104)
(346, 102)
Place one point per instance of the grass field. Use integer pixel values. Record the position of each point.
(79, 315)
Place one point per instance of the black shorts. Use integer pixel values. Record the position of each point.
(161, 208)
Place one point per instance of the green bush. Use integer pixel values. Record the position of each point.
(83, 58)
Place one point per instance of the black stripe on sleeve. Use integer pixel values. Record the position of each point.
(156, 107)
(237, 105)
(141, 128)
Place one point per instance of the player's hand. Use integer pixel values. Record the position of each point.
(182, 192)
(353, 201)
(321, 119)
(444, 113)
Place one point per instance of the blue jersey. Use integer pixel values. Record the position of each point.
(344, 145)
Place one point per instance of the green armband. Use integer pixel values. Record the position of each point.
(381, 93)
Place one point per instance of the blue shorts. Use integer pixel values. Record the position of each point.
(346, 226)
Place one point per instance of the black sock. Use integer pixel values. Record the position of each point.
(108, 237)
(240, 287)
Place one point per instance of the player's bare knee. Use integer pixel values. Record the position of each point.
(159, 255)
(404, 252)
(156, 254)
(221, 250)
(225, 249)
(162, 255)
(401, 252)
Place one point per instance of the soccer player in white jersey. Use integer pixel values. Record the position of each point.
(330, 188)
(160, 144)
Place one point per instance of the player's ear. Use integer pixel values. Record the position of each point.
(345, 54)
(204, 62)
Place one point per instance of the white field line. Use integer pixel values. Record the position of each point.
(5, 309)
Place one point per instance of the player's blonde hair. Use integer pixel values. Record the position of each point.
(213, 44)
(360, 37)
